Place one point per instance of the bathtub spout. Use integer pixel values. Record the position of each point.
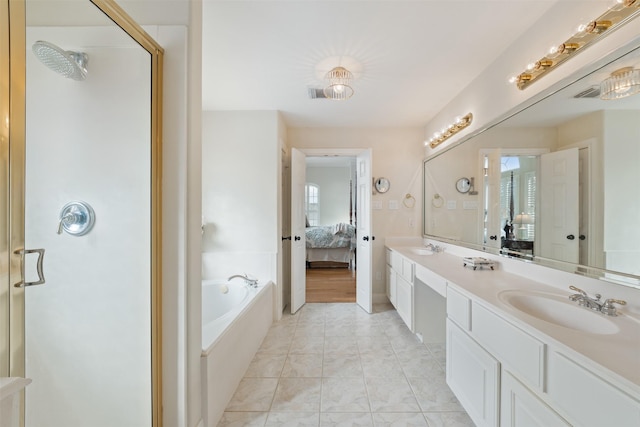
(251, 282)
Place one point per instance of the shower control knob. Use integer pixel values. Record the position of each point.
(76, 218)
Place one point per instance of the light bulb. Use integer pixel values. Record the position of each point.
(338, 88)
(581, 31)
(531, 66)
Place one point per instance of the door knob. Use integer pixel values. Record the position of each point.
(296, 238)
(373, 237)
(286, 238)
(582, 237)
(571, 237)
(493, 237)
(365, 238)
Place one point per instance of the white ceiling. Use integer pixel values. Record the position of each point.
(411, 57)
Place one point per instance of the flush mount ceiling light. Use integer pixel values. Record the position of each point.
(338, 84)
(621, 12)
(622, 83)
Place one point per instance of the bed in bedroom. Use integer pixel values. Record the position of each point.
(330, 245)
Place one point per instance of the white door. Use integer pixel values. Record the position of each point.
(298, 250)
(559, 224)
(364, 293)
(492, 200)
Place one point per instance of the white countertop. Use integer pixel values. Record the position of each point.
(614, 356)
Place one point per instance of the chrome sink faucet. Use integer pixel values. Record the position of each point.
(435, 248)
(594, 304)
(251, 282)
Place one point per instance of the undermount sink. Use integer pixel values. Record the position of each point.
(558, 310)
(421, 251)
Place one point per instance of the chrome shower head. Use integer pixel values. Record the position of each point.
(72, 65)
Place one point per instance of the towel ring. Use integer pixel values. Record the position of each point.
(437, 201)
(409, 201)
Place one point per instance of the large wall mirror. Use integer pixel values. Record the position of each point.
(554, 184)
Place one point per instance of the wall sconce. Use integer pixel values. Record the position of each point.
(617, 15)
(446, 133)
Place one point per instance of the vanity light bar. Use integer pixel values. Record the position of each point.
(446, 133)
(620, 13)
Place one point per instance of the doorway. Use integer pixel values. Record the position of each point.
(83, 165)
(330, 234)
(331, 227)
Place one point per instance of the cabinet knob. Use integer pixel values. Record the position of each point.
(571, 237)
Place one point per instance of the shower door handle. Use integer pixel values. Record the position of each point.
(39, 267)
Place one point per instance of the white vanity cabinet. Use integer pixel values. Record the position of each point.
(473, 375)
(504, 376)
(400, 272)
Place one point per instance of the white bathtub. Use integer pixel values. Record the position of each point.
(235, 320)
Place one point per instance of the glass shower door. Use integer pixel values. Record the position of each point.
(88, 203)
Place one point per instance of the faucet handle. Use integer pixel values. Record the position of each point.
(580, 291)
(609, 309)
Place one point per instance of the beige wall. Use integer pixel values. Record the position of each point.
(240, 164)
(397, 154)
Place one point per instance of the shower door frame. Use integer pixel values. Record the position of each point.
(13, 111)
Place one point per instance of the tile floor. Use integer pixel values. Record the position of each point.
(335, 365)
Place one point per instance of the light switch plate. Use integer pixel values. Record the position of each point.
(393, 204)
(452, 204)
(470, 205)
(376, 205)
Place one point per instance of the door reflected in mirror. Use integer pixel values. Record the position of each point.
(510, 211)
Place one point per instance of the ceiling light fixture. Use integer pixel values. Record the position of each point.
(622, 83)
(621, 12)
(446, 133)
(338, 84)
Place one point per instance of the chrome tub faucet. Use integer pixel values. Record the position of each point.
(251, 282)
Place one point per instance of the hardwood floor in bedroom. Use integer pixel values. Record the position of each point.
(331, 285)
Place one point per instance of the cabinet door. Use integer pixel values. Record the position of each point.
(473, 375)
(519, 407)
(587, 400)
(404, 299)
(391, 285)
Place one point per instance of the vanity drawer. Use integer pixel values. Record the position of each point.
(459, 308)
(395, 261)
(521, 352)
(407, 270)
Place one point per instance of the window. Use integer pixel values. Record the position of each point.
(312, 204)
